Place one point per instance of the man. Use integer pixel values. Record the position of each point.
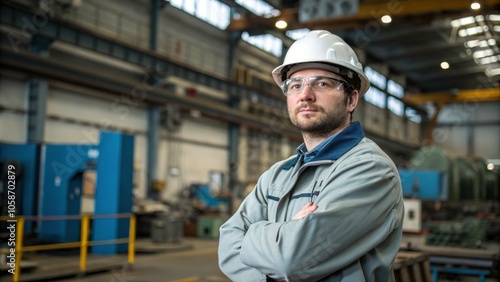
(333, 211)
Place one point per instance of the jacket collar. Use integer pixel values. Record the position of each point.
(331, 148)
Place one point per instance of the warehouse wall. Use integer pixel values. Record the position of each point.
(13, 106)
(470, 129)
(76, 114)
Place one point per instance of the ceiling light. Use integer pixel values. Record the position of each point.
(490, 166)
(475, 6)
(480, 43)
(492, 72)
(488, 60)
(494, 18)
(445, 65)
(472, 43)
(496, 28)
(462, 21)
(472, 30)
(281, 24)
(386, 19)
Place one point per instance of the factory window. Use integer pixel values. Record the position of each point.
(412, 115)
(297, 33)
(395, 89)
(375, 97)
(266, 42)
(211, 11)
(395, 105)
(375, 77)
(259, 7)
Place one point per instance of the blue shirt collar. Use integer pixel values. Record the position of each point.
(331, 148)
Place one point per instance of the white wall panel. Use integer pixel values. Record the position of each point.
(414, 133)
(117, 112)
(458, 136)
(200, 146)
(12, 127)
(12, 93)
(12, 123)
(487, 142)
(205, 130)
(375, 119)
(453, 140)
(396, 128)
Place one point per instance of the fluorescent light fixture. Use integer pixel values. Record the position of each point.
(488, 60)
(462, 21)
(472, 30)
(482, 53)
(495, 18)
(297, 33)
(492, 72)
(480, 43)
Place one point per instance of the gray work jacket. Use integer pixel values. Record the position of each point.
(354, 235)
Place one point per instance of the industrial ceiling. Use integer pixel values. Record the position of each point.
(422, 35)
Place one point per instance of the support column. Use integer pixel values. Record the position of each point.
(153, 31)
(152, 151)
(37, 89)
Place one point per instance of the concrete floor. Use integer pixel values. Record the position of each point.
(198, 262)
(190, 260)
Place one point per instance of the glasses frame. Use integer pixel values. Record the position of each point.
(307, 81)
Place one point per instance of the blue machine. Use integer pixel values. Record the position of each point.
(115, 172)
(62, 170)
(204, 195)
(26, 156)
(424, 184)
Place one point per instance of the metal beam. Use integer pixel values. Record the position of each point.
(404, 53)
(86, 39)
(464, 96)
(444, 74)
(366, 12)
(136, 92)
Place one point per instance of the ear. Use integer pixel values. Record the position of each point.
(352, 101)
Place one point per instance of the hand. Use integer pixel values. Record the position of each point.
(307, 209)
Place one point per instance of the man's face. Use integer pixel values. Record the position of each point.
(320, 113)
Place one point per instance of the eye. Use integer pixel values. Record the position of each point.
(295, 85)
(324, 83)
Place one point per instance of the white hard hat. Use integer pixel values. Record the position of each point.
(324, 50)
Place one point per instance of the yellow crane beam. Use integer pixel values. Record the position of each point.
(463, 96)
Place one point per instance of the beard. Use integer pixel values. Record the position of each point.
(324, 123)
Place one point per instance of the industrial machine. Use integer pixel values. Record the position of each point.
(52, 182)
(25, 159)
(466, 178)
(452, 207)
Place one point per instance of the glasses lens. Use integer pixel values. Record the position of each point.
(322, 83)
(316, 83)
(294, 85)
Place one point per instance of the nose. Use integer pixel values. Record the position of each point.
(307, 93)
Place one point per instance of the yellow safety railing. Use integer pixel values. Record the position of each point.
(83, 244)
